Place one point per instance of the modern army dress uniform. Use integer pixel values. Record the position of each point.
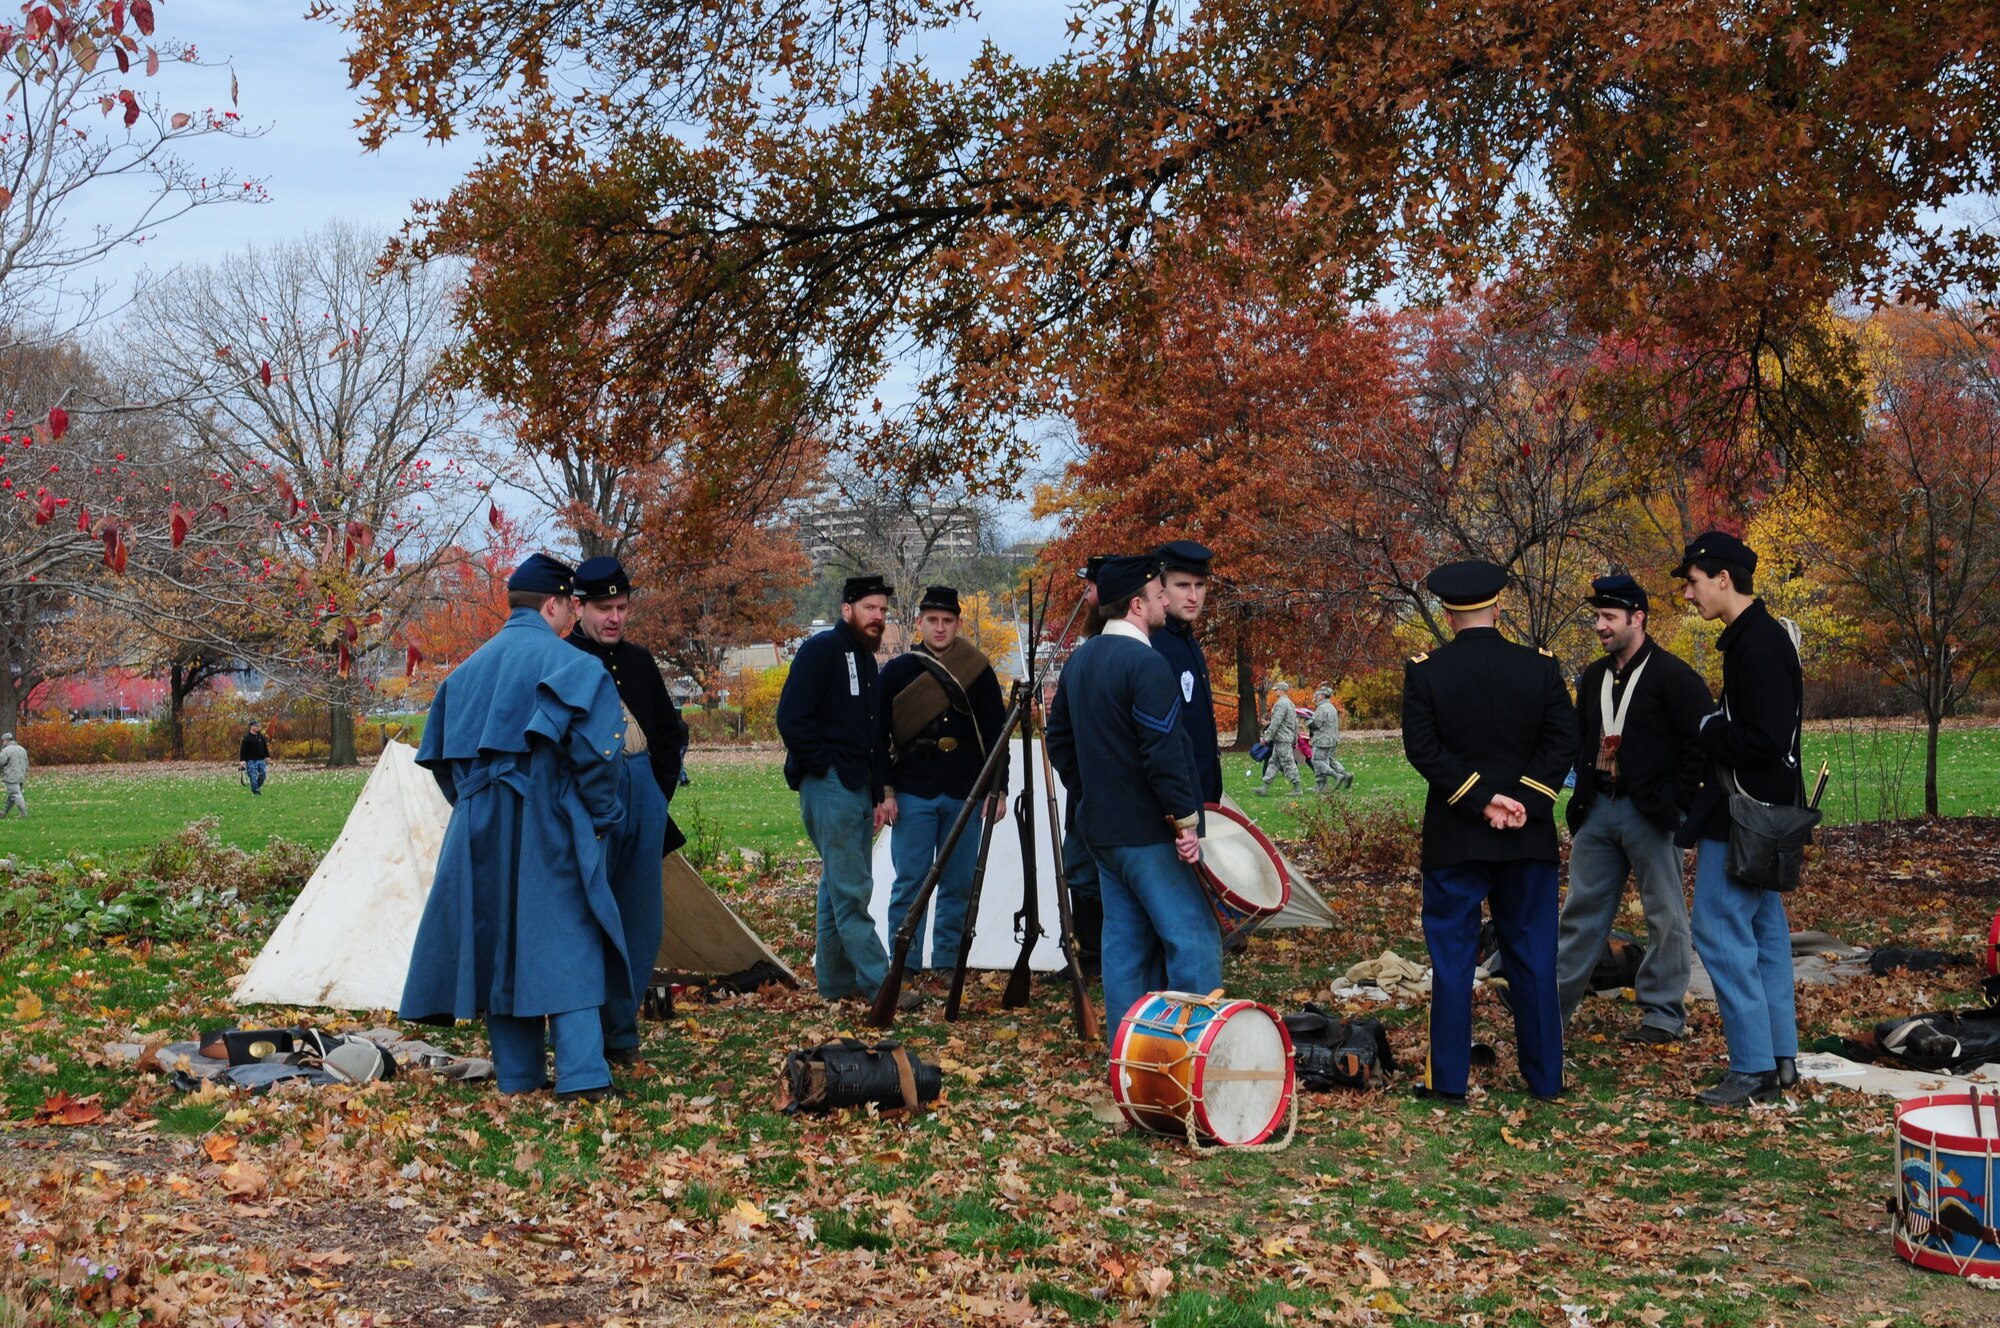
(527, 742)
(829, 716)
(647, 778)
(942, 713)
(1177, 645)
(1483, 715)
(1114, 736)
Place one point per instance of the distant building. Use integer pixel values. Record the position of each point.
(833, 528)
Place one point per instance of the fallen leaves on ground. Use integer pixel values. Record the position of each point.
(1013, 1202)
(62, 1109)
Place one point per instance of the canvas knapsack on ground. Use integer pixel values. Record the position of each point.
(1330, 1053)
(1616, 969)
(848, 1072)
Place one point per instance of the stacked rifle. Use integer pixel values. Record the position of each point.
(1022, 705)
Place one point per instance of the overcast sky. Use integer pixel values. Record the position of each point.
(294, 87)
(293, 90)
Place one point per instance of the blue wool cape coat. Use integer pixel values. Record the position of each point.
(527, 741)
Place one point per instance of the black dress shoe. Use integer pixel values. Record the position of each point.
(622, 1055)
(1788, 1071)
(1737, 1088)
(1432, 1097)
(1651, 1035)
(600, 1094)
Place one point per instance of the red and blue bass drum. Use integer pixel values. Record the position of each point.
(1246, 879)
(1944, 1215)
(1219, 1070)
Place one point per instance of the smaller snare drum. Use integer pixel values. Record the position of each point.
(1222, 1068)
(1246, 879)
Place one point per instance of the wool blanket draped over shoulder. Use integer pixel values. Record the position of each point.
(931, 695)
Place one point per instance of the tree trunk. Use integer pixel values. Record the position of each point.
(10, 710)
(1247, 727)
(1931, 725)
(340, 743)
(177, 690)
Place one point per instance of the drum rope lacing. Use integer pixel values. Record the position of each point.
(1278, 1145)
(1188, 1099)
(1918, 1225)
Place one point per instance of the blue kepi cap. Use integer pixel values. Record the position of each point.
(542, 575)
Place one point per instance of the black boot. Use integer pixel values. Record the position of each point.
(1087, 917)
(1737, 1088)
(1788, 1071)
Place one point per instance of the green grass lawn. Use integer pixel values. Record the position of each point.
(739, 800)
(111, 814)
(1877, 774)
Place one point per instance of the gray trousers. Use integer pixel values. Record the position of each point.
(1616, 841)
(14, 799)
(1325, 767)
(1284, 761)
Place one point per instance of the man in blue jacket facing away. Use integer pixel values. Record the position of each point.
(829, 715)
(1116, 739)
(527, 741)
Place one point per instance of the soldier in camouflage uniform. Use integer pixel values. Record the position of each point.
(1323, 729)
(1282, 732)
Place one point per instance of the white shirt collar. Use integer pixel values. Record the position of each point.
(1119, 627)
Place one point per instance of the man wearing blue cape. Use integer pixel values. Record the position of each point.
(527, 741)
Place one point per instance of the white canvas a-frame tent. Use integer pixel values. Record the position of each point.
(346, 941)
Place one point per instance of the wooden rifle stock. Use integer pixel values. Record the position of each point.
(1081, 1006)
(1028, 922)
(883, 1014)
(965, 935)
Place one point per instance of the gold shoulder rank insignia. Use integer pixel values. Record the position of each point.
(1420, 657)
(1546, 651)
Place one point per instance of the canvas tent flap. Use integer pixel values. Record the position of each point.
(703, 934)
(994, 945)
(1307, 907)
(347, 939)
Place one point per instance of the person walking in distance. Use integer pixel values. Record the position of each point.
(1281, 733)
(1323, 731)
(13, 774)
(254, 755)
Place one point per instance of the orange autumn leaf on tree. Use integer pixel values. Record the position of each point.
(1233, 430)
(1698, 173)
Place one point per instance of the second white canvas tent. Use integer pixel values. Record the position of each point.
(994, 945)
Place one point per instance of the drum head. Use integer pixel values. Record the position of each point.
(1244, 1084)
(1240, 864)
